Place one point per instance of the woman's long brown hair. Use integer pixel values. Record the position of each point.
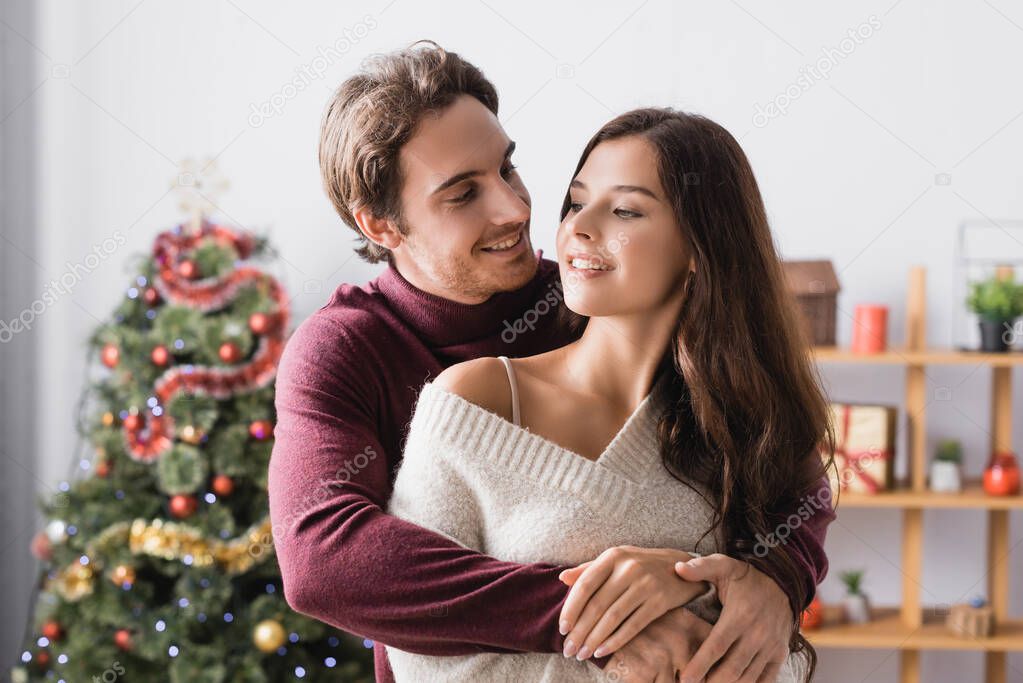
(747, 417)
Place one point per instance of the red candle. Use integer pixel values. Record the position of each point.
(870, 328)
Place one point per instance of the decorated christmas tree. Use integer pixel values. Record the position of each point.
(158, 557)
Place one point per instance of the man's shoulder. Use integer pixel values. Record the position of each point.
(483, 381)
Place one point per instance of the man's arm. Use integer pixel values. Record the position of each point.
(805, 540)
(346, 562)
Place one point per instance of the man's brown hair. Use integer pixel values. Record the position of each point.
(374, 113)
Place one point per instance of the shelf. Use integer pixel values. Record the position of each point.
(887, 631)
(901, 356)
(972, 496)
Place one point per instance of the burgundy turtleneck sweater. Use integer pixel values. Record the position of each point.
(346, 387)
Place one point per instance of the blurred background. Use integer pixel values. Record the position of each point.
(876, 130)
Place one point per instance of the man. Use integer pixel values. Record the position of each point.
(413, 157)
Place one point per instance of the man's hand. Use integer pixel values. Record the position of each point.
(750, 641)
(617, 595)
(660, 650)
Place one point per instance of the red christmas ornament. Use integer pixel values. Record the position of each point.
(260, 323)
(229, 352)
(222, 485)
(43, 659)
(160, 355)
(188, 270)
(151, 296)
(122, 639)
(41, 546)
(103, 469)
(110, 355)
(52, 630)
(133, 422)
(182, 506)
(261, 430)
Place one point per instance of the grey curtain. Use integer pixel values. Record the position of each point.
(19, 279)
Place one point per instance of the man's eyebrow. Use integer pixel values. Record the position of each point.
(620, 188)
(459, 177)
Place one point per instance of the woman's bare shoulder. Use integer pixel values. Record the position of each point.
(483, 381)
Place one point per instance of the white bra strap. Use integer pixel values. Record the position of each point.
(514, 389)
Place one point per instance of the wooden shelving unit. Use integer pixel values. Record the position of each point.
(913, 627)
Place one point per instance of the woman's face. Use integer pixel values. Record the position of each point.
(620, 248)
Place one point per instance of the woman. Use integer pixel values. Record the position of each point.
(683, 417)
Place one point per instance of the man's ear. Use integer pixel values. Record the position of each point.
(381, 231)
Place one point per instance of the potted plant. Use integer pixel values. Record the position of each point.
(998, 302)
(857, 606)
(945, 469)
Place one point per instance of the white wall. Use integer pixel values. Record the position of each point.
(127, 89)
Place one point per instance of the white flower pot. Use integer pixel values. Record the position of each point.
(857, 609)
(946, 477)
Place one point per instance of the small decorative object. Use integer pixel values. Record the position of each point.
(260, 323)
(1001, 477)
(261, 430)
(229, 352)
(946, 476)
(815, 288)
(973, 620)
(997, 301)
(188, 269)
(103, 469)
(133, 422)
(122, 575)
(122, 639)
(52, 631)
(182, 506)
(865, 447)
(813, 616)
(870, 328)
(108, 419)
(189, 434)
(268, 635)
(160, 355)
(41, 547)
(857, 606)
(110, 355)
(222, 485)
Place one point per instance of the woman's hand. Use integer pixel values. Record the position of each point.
(617, 595)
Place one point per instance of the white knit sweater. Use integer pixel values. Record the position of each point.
(498, 488)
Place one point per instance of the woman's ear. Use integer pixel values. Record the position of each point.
(380, 231)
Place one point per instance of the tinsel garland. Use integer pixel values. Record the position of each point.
(153, 435)
(169, 541)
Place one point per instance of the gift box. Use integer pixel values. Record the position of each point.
(864, 447)
(969, 621)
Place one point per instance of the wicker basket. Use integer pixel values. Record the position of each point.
(815, 288)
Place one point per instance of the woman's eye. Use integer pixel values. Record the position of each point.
(507, 170)
(465, 196)
(627, 213)
(575, 207)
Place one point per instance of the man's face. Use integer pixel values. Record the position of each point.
(465, 210)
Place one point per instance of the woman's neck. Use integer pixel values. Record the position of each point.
(617, 357)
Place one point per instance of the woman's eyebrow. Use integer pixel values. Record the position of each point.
(620, 188)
